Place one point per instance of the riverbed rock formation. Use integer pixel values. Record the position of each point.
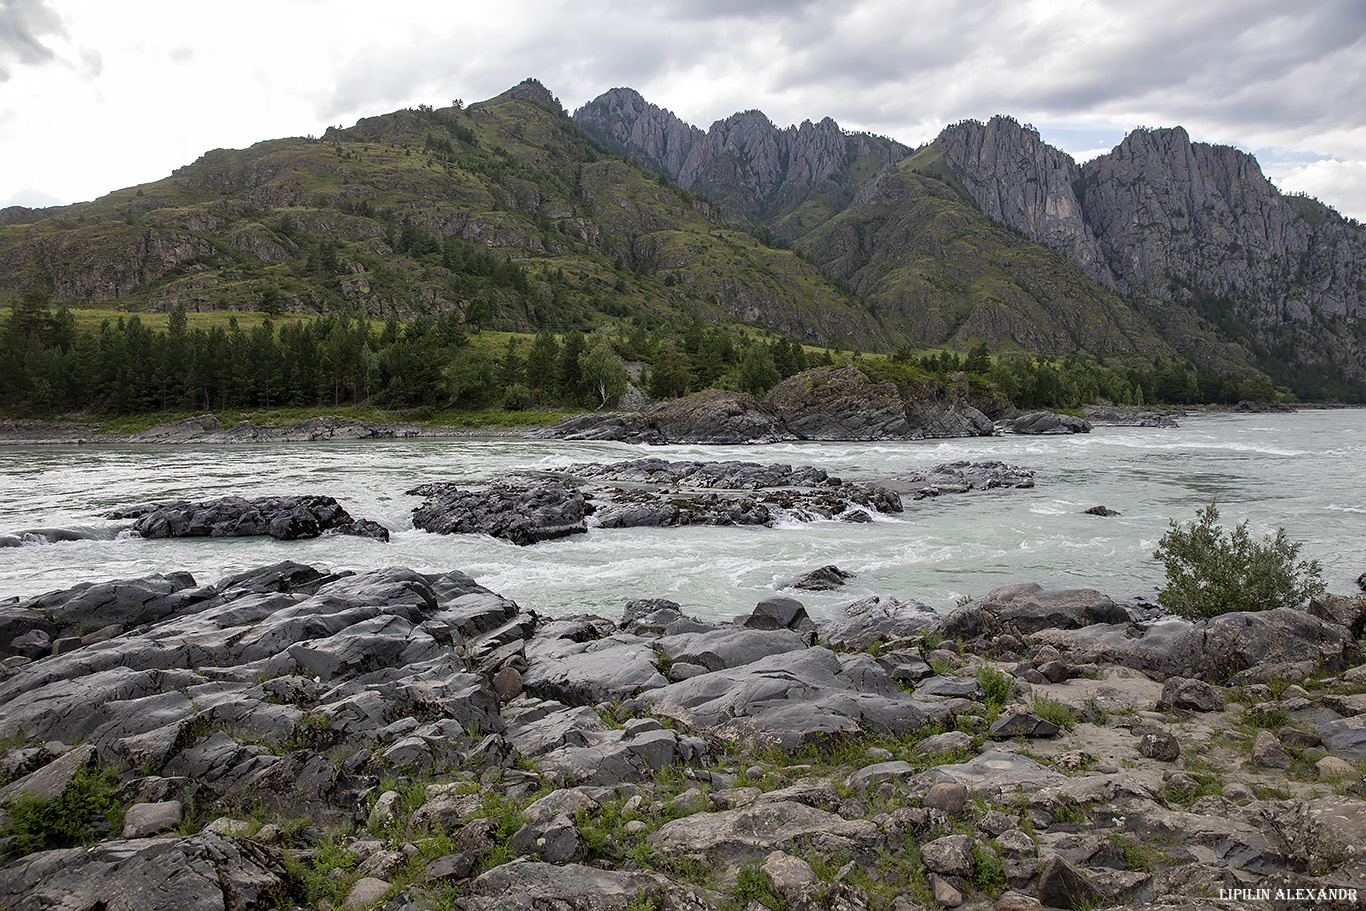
(825, 403)
(283, 518)
(292, 737)
(655, 493)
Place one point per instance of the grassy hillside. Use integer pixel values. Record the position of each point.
(505, 212)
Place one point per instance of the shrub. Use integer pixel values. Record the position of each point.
(1212, 572)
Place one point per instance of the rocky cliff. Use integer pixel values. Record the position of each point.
(751, 168)
(1179, 222)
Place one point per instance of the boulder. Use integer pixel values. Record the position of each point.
(518, 508)
(820, 580)
(534, 884)
(1282, 641)
(1062, 886)
(283, 518)
(203, 872)
(1027, 608)
(753, 831)
(1046, 422)
(1341, 609)
(1186, 694)
(876, 619)
(839, 403)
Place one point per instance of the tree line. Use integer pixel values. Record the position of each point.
(48, 367)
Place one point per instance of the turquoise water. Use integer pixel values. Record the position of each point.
(1302, 471)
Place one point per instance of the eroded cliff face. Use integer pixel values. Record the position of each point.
(1019, 180)
(1165, 217)
(1162, 208)
(745, 163)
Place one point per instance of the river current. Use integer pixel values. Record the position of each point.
(1302, 471)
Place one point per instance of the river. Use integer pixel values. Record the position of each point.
(1302, 471)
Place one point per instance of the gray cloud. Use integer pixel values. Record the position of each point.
(23, 24)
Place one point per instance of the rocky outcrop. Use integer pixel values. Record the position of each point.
(520, 508)
(283, 518)
(744, 163)
(1019, 180)
(958, 477)
(1046, 422)
(825, 403)
(661, 758)
(1163, 217)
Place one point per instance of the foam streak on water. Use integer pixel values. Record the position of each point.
(1304, 472)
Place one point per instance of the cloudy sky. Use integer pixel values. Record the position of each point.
(97, 95)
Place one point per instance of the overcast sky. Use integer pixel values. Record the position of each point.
(96, 95)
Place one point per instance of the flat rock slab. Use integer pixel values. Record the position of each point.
(994, 769)
(198, 873)
(751, 831)
(586, 673)
(527, 883)
(1215, 650)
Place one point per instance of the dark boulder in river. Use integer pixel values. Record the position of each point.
(519, 508)
(284, 518)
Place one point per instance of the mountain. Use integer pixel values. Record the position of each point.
(1163, 244)
(505, 211)
(511, 213)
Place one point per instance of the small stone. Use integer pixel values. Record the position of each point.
(950, 855)
(949, 796)
(383, 811)
(144, 819)
(1186, 694)
(365, 893)
(945, 895)
(1018, 901)
(1267, 751)
(1334, 767)
(1055, 671)
(1062, 886)
(1299, 738)
(1159, 745)
(227, 826)
(787, 875)
(66, 644)
(1239, 793)
(507, 683)
(453, 867)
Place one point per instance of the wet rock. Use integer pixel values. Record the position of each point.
(820, 580)
(1046, 422)
(283, 518)
(519, 508)
(1103, 511)
(959, 477)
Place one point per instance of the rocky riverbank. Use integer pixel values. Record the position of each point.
(294, 737)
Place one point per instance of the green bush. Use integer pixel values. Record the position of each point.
(86, 811)
(1212, 572)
